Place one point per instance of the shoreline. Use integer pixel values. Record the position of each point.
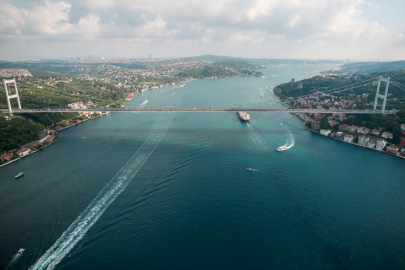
(54, 141)
(356, 144)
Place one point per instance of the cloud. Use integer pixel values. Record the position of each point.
(256, 22)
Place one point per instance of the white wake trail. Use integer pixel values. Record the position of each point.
(144, 103)
(290, 140)
(107, 195)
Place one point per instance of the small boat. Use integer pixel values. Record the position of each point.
(282, 148)
(20, 251)
(21, 174)
(250, 170)
(281, 124)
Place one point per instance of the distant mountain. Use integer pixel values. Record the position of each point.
(370, 67)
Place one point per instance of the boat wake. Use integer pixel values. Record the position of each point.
(144, 103)
(289, 143)
(257, 138)
(103, 200)
(14, 259)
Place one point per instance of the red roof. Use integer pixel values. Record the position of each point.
(9, 155)
(36, 144)
(22, 150)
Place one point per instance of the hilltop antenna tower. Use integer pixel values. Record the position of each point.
(377, 94)
(8, 97)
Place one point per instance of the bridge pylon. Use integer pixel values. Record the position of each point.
(8, 97)
(384, 96)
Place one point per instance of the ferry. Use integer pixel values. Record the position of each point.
(244, 116)
(250, 170)
(282, 148)
(21, 174)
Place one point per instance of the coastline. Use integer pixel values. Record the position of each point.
(45, 146)
(356, 144)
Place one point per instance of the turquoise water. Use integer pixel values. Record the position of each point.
(170, 191)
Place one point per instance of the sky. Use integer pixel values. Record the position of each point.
(310, 29)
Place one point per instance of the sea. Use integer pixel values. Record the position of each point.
(171, 191)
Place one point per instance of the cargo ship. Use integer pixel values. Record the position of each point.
(243, 116)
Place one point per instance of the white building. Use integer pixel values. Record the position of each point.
(380, 144)
(348, 138)
(325, 132)
(363, 140)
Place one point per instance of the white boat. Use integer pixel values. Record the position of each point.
(282, 148)
(281, 124)
(20, 251)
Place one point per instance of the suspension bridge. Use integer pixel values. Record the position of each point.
(378, 96)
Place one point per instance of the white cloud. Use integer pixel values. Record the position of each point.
(256, 22)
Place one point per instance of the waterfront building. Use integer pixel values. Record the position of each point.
(380, 144)
(6, 157)
(348, 138)
(339, 135)
(392, 149)
(402, 127)
(371, 143)
(363, 140)
(23, 152)
(325, 132)
(387, 135)
(316, 125)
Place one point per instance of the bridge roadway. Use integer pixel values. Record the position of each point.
(17, 111)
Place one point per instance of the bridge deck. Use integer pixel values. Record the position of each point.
(17, 111)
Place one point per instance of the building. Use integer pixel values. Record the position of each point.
(35, 144)
(325, 132)
(23, 152)
(371, 143)
(392, 149)
(348, 138)
(293, 80)
(316, 125)
(375, 132)
(402, 127)
(352, 129)
(333, 123)
(387, 135)
(380, 144)
(6, 157)
(363, 130)
(343, 127)
(339, 135)
(363, 140)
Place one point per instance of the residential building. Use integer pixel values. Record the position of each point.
(380, 144)
(352, 129)
(6, 157)
(363, 140)
(333, 123)
(325, 132)
(375, 132)
(371, 143)
(363, 130)
(23, 152)
(316, 125)
(343, 127)
(339, 135)
(402, 127)
(348, 138)
(392, 149)
(387, 135)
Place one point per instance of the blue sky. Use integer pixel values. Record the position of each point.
(317, 29)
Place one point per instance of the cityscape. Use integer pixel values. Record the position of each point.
(202, 135)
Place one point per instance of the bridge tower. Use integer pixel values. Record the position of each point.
(384, 96)
(8, 97)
